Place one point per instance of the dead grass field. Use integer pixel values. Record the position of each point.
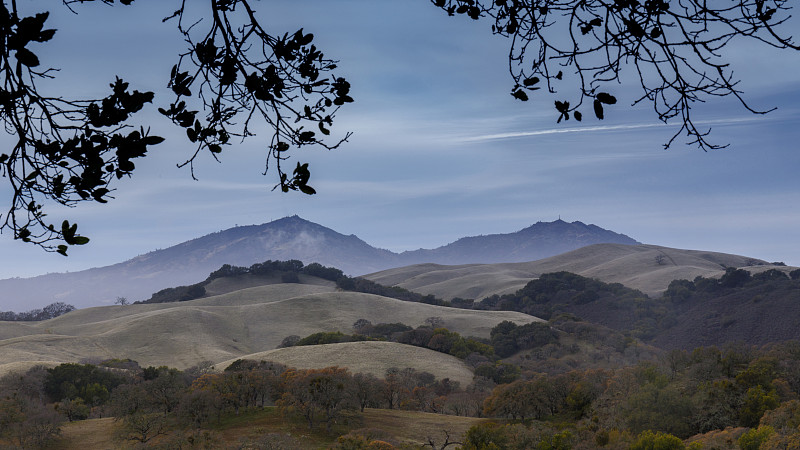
(402, 426)
(415, 427)
(635, 266)
(218, 328)
(367, 357)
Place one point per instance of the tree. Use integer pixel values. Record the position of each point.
(122, 301)
(674, 51)
(137, 413)
(486, 435)
(29, 423)
(317, 394)
(753, 438)
(366, 390)
(649, 440)
(234, 77)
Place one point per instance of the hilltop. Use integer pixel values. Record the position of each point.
(648, 268)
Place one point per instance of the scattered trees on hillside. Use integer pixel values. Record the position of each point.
(50, 311)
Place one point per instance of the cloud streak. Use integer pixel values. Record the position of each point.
(591, 129)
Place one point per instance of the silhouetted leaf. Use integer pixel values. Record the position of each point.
(530, 81)
(307, 189)
(26, 57)
(598, 109)
(520, 95)
(606, 98)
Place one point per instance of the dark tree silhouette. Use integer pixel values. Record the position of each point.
(232, 74)
(673, 48)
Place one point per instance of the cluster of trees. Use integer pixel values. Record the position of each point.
(683, 394)
(680, 291)
(610, 304)
(150, 403)
(50, 311)
(285, 271)
(289, 272)
(633, 313)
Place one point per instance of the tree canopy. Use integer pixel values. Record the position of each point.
(235, 76)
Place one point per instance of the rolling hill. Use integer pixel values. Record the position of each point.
(218, 328)
(648, 268)
(373, 357)
(283, 239)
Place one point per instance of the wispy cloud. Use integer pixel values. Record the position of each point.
(590, 129)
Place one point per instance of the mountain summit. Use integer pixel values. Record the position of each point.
(540, 240)
(283, 239)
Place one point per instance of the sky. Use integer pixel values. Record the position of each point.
(440, 150)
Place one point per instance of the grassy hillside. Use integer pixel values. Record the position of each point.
(648, 268)
(373, 357)
(220, 328)
(410, 427)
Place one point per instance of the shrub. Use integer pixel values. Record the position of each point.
(650, 440)
(752, 439)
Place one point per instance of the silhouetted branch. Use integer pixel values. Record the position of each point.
(673, 47)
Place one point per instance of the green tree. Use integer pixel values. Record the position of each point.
(753, 438)
(650, 440)
(486, 436)
(757, 401)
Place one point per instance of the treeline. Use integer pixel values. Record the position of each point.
(289, 272)
(50, 311)
(176, 409)
(704, 311)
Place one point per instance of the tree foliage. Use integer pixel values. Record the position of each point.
(234, 77)
(50, 311)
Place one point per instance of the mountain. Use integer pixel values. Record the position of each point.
(283, 239)
(192, 261)
(540, 240)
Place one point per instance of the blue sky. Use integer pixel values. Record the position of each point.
(440, 149)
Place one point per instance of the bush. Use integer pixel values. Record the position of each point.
(752, 439)
(650, 440)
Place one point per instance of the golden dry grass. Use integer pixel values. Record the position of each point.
(218, 328)
(632, 265)
(402, 426)
(88, 434)
(367, 357)
(415, 427)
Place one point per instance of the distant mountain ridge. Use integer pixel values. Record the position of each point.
(284, 239)
(540, 240)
